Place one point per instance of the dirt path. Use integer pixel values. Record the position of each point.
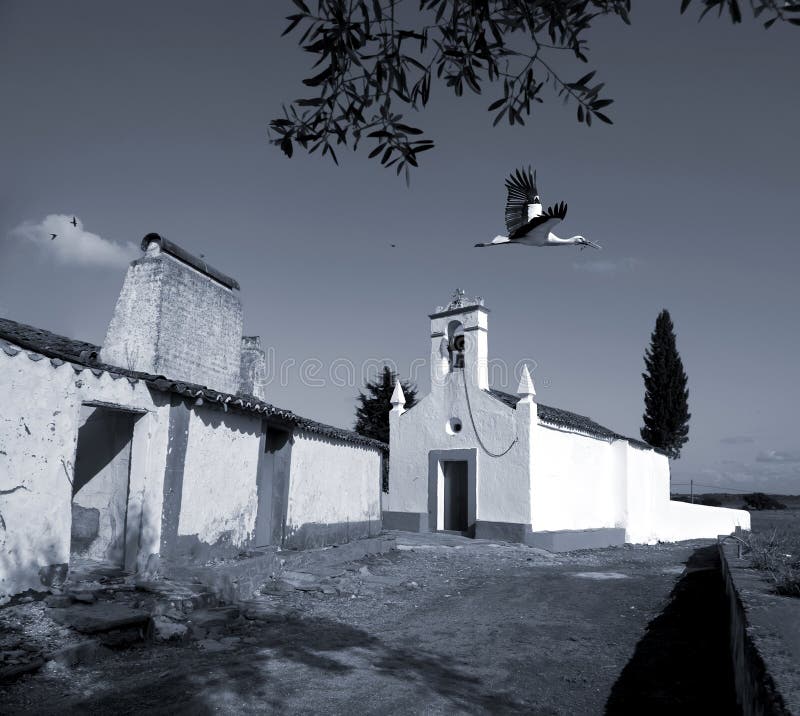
(440, 627)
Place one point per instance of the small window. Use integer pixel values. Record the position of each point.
(453, 426)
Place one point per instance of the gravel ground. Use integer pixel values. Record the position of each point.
(444, 625)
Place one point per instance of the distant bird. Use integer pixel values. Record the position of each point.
(526, 222)
(394, 246)
(74, 221)
(53, 236)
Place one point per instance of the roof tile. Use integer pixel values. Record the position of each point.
(570, 421)
(83, 355)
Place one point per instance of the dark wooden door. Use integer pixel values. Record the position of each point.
(455, 495)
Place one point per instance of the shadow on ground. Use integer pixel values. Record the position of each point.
(683, 664)
(263, 675)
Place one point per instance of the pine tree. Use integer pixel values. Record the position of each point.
(666, 417)
(372, 411)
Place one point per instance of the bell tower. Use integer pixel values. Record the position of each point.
(460, 341)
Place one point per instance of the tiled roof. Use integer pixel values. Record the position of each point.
(570, 421)
(46, 343)
(85, 355)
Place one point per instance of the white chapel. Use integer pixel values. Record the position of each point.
(485, 463)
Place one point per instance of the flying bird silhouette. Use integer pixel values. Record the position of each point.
(74, 221)
(53, 236)
(526, 222)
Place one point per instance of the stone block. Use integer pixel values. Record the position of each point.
(100, 617)
(189, 328)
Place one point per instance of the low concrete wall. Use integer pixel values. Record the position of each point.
(681, 520)
(764, 639)
(405, 521)
(569, 540)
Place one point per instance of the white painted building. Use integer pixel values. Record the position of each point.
(475, 460)
(144, 453)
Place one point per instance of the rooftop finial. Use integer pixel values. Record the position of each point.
(398, 399)
(526, 391)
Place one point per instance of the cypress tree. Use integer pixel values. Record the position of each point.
(372, 410)
(666, 416)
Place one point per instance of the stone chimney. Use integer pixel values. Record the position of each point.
(253, 368)
(178, 317)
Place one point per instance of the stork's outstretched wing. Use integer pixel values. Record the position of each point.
(543, 224)
(521, 187)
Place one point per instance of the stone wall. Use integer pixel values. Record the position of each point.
(173, 320)
(764, 639)
(253, 368)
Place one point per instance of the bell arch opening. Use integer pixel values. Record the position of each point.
(455, 344)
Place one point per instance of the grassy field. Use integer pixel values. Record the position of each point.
(775, 547)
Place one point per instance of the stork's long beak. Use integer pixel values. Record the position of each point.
(586, 243)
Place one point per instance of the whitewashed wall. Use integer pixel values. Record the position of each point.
(653, 517)
(219, 494)
(680, 521)
(647, 477)
(503, 484)
(38, 439)
(563, 481)
(578, 482)
(334, 489)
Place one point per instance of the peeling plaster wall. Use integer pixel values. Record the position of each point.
(334, 491)
(39, 423)
(100, 483)
(578, 482)
(503, 483)
(38, 430)
(219, 500)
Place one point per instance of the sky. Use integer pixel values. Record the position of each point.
(140, 117)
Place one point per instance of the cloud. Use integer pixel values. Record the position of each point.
(74, 245)
(607, 267)
(778, 456)
(737, 440)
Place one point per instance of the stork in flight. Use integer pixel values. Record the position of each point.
(74, 222)
(526, 222)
